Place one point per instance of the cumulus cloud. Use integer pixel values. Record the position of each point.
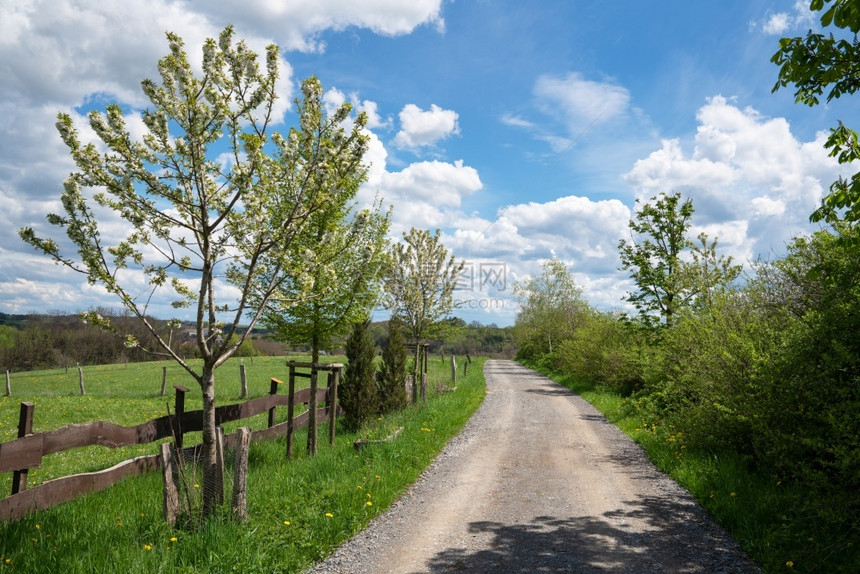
(746, 173)
(297, 24)
(421, 128)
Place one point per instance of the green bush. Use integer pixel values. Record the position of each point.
(606, 350)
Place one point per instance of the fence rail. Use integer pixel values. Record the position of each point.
(26, 452)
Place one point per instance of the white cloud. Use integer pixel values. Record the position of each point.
(420, 128)
(746, 173)
(580, 102)
(801, 18)
(776, 23)
(516, 121)
(297, 24)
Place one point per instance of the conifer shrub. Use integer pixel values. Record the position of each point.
(357, 394)
(391, 381)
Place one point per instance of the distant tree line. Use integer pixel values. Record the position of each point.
(29, 342)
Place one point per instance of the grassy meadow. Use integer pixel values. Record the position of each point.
(300, 510)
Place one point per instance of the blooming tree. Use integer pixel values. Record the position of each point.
(214, 201)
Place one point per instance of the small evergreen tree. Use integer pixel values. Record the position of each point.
(392, 376)
(358, 395)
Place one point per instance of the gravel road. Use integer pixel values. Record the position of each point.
(539, 481)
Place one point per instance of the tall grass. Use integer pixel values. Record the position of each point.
(300, 510)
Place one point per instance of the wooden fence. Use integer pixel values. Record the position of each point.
(26, 452)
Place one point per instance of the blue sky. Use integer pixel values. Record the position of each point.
(523, 130)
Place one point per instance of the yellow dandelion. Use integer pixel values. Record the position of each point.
(286, 522)
(358, 487)
(733, 494)
(173, 539)
(196, 485)
(38, 527)
(790, 564)
(368, 503)
(329, 515)
(147, 546)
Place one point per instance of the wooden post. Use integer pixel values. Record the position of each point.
(81, 379)
(25, 427)
(240, 475)
(424, 387)
(291, 406)
(171, 491)
(453, 370)
(312, 414)
(178, 409)
(332, 399)
(244, 381)
(273, 390)
(219, 463)
(426, 356)
(8, 384)
(415, 372)
(163, 379)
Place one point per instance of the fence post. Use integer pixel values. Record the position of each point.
(332, 406)
(291, 405)
(8, 384)
(244, 381)
(81, 379)
(453, 370)
(312, 413)
(178, 409)
(240, 475)
(163, 379)
(273, 390)
(25, 427)
(171, 491)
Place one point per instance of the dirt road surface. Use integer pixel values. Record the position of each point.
(539, 481)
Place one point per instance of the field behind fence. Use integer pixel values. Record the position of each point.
(127, 395)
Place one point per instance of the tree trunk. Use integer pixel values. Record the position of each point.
(213, 481)
(315, 349)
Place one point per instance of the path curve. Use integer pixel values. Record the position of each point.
(539, 481)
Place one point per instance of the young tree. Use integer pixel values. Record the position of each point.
(358, 395)
(551, 308)
(351, 249)
(819, 63)
(666, 281)
(209, 194)
(392, 375)
(419, 285)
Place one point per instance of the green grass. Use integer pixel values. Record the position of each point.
(784, 527)
(299, 510)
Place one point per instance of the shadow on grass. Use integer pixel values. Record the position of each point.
(670, 542)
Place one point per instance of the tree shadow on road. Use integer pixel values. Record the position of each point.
(671, 542)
